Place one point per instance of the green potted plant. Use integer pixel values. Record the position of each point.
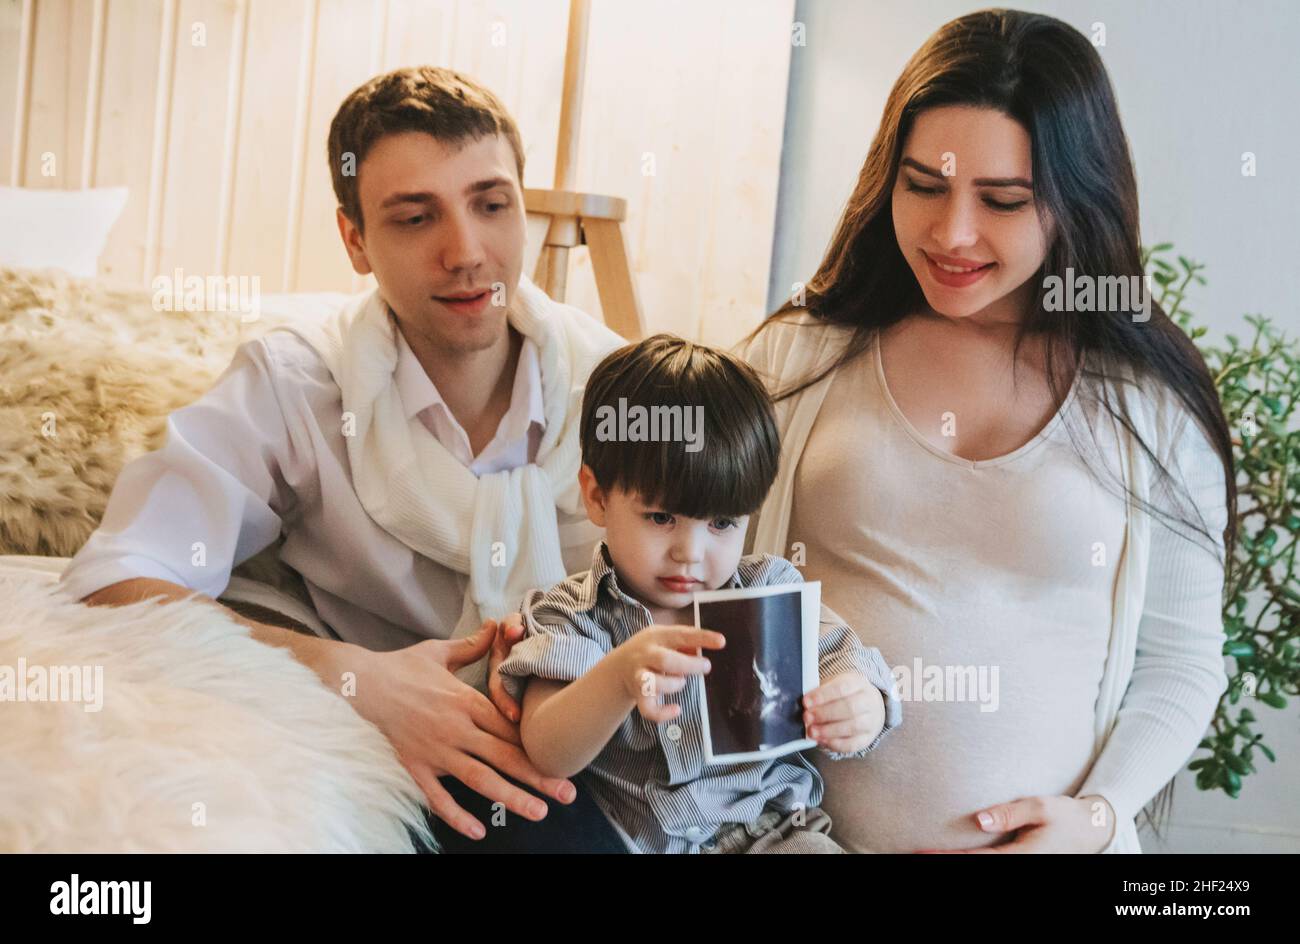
(1259, 385)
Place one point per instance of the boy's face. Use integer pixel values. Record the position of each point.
(653, 551)
(441, 220)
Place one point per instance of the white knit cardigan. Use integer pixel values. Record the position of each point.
(1164, 670)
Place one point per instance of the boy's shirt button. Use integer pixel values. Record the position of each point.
(674, 732)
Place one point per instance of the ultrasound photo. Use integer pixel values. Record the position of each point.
(752, 695)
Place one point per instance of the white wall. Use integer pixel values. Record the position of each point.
(1198, 83)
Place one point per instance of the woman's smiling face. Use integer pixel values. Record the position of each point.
(964, 198)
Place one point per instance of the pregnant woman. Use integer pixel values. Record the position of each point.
(1009, 469)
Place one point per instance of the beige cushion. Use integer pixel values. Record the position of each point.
(89, 372)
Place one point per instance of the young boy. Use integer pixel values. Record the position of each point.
(622, 636)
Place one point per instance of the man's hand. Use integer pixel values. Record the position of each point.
(440, 726)
(437, 724)
(509, 631)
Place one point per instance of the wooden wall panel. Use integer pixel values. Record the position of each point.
(56, 118)
(125, 151)
(279, 36)
(16, 17)
(215, 114)
(686, 123)
(208, 34)
(346, 46)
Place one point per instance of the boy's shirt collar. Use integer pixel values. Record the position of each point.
(602, 573)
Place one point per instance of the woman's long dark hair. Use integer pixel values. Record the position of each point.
(1047, 76)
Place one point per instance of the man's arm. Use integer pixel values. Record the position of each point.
(217, 492)
(214, 494)
(436, 723)
(312, 651)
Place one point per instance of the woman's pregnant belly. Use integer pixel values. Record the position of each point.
(921, 788)
(989, 590)
(999, 677)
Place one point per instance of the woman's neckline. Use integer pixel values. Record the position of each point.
(913, 433)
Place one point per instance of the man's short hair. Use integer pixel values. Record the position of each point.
(451, 107)
(728, 471)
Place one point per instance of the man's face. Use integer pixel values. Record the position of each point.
(441, 220)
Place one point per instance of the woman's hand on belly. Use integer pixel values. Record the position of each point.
(1047, 824)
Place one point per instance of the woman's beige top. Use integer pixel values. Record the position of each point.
(1164, 668)
(986, 585)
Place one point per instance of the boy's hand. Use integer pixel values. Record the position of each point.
(657, 660)
(844, 713)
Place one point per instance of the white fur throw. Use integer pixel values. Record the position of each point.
(204, 740)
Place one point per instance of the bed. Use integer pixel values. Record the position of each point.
(202, 739)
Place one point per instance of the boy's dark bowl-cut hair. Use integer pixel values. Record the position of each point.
(728, 468)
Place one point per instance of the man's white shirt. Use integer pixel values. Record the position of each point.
(518, 433)
(264, 450)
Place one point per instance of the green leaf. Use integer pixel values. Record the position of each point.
(1238, 649)
(1231, 782)
(1272, 698)
(1236, 763)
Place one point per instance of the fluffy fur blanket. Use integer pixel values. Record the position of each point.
(89, 372)
(178, 732)
(197, 738)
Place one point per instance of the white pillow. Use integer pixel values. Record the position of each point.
(62, 229)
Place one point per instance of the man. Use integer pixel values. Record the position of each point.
(414, 451)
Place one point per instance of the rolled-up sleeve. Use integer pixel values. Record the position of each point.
(560, 643)
(839, 650)
(211, 497)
